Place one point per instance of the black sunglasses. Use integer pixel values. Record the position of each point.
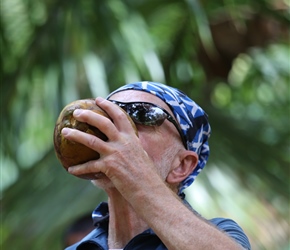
(148, 114)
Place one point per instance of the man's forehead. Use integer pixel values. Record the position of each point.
(139, 96)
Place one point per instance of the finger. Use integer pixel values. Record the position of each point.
(86, 139)
(91, 167)
(119, 116)
(104, 124)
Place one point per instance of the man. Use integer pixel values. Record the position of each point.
(145, 175)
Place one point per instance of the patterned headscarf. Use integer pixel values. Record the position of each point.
(192, 119)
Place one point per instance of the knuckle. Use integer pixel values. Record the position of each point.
(85, 115)
(92, 141)
(120, 115)
(106, 121)
(110, 162)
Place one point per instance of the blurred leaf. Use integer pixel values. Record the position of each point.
(231, 57)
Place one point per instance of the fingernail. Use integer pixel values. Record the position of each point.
(99, 99)
(65, 131)
(71, 170)
(77, 112)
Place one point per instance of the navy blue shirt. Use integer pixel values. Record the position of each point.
(148, 240)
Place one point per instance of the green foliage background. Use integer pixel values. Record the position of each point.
(231, 57)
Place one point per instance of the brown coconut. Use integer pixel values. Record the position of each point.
(71, 153)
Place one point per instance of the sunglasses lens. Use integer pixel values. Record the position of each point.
(146, 114)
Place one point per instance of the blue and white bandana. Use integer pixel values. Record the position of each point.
(191, 117)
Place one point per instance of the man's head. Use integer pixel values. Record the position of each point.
(193, 122)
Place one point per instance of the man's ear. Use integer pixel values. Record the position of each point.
(187, 162)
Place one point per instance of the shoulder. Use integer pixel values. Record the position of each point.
(231, 228)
